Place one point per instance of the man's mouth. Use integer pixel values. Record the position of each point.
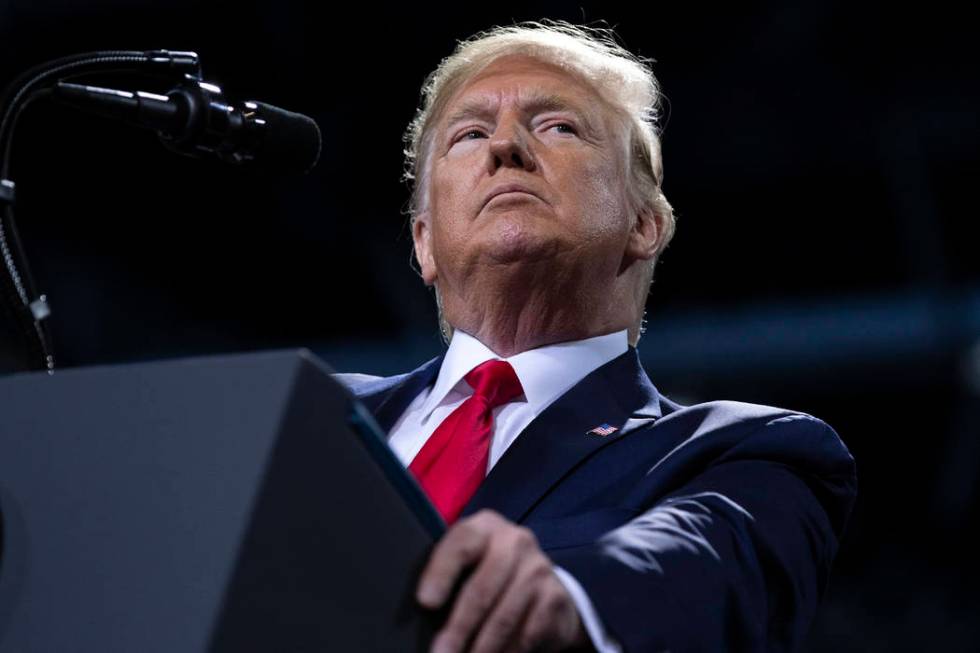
(510, 191)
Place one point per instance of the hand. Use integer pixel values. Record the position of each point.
(513, 601)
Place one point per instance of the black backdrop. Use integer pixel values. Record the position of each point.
(818, 154)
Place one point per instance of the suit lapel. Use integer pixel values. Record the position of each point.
(619, 394)
(390, 397)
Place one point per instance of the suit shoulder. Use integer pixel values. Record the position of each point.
(362, 384)
(353, 379)
(725, 413)
(741, 429)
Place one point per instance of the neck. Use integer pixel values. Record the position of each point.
(512, 315)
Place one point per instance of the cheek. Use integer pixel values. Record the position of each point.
(449, 205)
(452, 186)
(600, 191)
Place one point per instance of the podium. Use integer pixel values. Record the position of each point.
(233, 503)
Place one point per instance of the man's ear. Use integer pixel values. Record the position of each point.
(645, 236)
(422, 237)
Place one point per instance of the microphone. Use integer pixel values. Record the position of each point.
(194, 119)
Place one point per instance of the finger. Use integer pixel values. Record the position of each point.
(511, 548)
(462, 546)
(499, 632)
(551, 622)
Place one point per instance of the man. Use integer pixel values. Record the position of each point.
(589, 510)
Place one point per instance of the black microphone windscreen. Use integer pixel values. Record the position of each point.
(291, 141)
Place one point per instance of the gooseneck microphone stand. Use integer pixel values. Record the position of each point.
(20, 302)
(193, 119)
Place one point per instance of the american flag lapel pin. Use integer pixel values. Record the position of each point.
(603, 430)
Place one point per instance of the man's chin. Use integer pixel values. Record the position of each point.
(519, 252)
(516, 243)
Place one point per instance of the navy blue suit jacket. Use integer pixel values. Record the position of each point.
(709, 527)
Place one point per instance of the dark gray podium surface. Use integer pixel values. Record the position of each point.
(213, 504)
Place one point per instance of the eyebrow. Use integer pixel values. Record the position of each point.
(534, 102)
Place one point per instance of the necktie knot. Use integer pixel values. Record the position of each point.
(495, 382)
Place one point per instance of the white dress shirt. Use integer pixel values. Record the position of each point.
(545, 373)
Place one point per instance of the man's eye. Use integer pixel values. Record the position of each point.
(564, 128)
(471, 135)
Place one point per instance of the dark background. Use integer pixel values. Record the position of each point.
(819, 156)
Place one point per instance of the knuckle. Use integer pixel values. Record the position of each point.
(527, 575)
(525, 537)
(499, 558)
(469, 547)
(510, 541)
(540, 569)
(467, 528)
(473, 603)
(505, 623)
(487, 516)
(479, 601)
(468, 542)
(446, 547)
(527, 534)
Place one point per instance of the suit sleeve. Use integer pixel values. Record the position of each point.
(735, 555)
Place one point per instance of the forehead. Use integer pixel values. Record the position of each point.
(523, 80)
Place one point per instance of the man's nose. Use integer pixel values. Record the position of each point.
(509, 149)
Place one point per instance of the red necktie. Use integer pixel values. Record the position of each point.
(453, 462)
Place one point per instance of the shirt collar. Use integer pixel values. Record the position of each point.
(545, 373)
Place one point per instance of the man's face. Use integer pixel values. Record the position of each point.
(525, 168)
